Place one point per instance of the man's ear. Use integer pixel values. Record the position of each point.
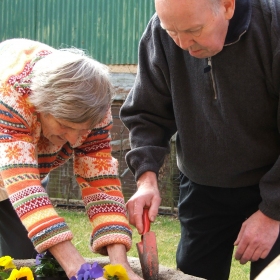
(229, 6)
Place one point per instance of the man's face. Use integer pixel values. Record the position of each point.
(196, 25)
(60, 131)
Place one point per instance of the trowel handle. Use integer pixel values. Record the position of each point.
(146, 220)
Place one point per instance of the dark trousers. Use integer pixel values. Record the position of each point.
(210, 220)
(14, 241)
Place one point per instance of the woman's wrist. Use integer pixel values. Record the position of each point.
(68, 257)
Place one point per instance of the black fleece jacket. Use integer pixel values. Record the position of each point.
(226, 120)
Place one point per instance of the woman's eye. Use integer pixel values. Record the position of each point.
(62, 125)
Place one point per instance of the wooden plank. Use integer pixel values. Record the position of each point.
(271, 272)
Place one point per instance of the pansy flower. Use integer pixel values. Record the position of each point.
(6, 262)
(24, 273)
(38, 258)
(115, 272)
(88, 272)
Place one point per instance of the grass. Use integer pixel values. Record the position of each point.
(167, 231)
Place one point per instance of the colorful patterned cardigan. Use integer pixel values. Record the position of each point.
(26, 157)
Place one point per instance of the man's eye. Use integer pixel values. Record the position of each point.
(196, 32)
(171, 33)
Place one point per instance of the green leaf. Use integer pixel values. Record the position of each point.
(4, 275)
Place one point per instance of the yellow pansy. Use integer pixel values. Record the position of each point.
(23, 272)
(7, 262)
(115, 271)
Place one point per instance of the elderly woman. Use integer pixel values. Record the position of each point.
(55, 104)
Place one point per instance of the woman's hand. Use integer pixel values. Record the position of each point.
(68, 257)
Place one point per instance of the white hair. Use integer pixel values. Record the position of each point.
(72, 86)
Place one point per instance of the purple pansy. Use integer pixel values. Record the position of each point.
(38, 258)
(89, 272)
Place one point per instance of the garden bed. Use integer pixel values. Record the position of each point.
(165, 273)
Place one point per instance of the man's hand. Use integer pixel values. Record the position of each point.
(147, 196)
(256, 238)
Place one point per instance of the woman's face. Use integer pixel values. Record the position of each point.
(59, 131)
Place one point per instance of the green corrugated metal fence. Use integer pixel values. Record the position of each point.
(109, 29)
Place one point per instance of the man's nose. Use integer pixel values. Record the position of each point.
(184, 41)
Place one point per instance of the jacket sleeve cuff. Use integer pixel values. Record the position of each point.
(269, 211)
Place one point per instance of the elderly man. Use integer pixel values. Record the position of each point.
(209, 71)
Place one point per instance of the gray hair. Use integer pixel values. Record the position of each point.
(213, 4)
(70, 85)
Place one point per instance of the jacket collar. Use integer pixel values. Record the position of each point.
(240, 21)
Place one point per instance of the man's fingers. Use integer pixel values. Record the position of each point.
(135, 213)
(239, 252)
(130, 212)
(248, 253)
(147, 196)
(259, 253)
(242, 256)
(264, 254)
(241, 246)
(138, 217)
(243, 252)
(256, 238)
(153, 211)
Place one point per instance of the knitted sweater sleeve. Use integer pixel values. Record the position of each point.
(97, 175)
(20, 174)
(19, 134)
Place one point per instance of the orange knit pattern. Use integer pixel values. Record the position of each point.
(22, 169)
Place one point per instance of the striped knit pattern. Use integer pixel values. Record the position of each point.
(26, 157)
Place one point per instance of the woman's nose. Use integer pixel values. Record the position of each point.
(72, 136)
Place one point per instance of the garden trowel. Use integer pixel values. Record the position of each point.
(147, 250)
